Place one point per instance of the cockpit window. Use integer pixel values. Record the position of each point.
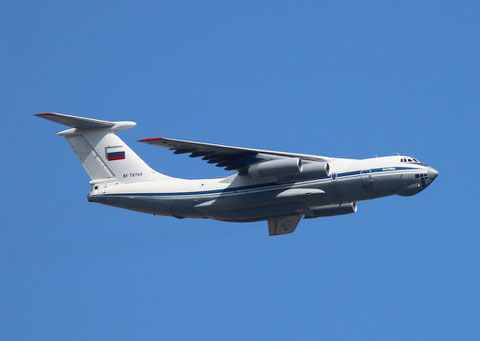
(412, 160)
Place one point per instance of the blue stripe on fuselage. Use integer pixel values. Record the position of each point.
(269, 184)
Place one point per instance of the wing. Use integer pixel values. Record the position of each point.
(283, 226)
(232, 158)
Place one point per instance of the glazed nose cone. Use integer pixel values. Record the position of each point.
(432, 173)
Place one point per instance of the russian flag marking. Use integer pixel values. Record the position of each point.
(115, 153)
(116, 156)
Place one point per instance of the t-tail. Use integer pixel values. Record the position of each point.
(102, 153)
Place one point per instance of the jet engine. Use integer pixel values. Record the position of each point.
(310, 170)
(290, 169)
(280, 167)
(331, 210)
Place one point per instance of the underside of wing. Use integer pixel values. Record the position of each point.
(283, 226)
(231, 158)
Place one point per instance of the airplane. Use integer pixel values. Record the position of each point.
(281, 188)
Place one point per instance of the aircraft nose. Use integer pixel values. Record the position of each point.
(432, 173)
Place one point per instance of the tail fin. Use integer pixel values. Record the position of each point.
(102, 153)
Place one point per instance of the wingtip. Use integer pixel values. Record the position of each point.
(151, 139)
(44, 114)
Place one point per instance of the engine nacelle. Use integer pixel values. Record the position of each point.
(315, 170)
(331, 210)
(280, 167)
(310, 170)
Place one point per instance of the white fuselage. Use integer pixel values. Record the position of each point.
(242, 198)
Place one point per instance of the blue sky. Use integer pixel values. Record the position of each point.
(340, 78)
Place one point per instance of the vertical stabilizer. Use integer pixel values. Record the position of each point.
(102, 153)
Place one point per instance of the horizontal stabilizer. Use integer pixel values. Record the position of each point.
(84, 122)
